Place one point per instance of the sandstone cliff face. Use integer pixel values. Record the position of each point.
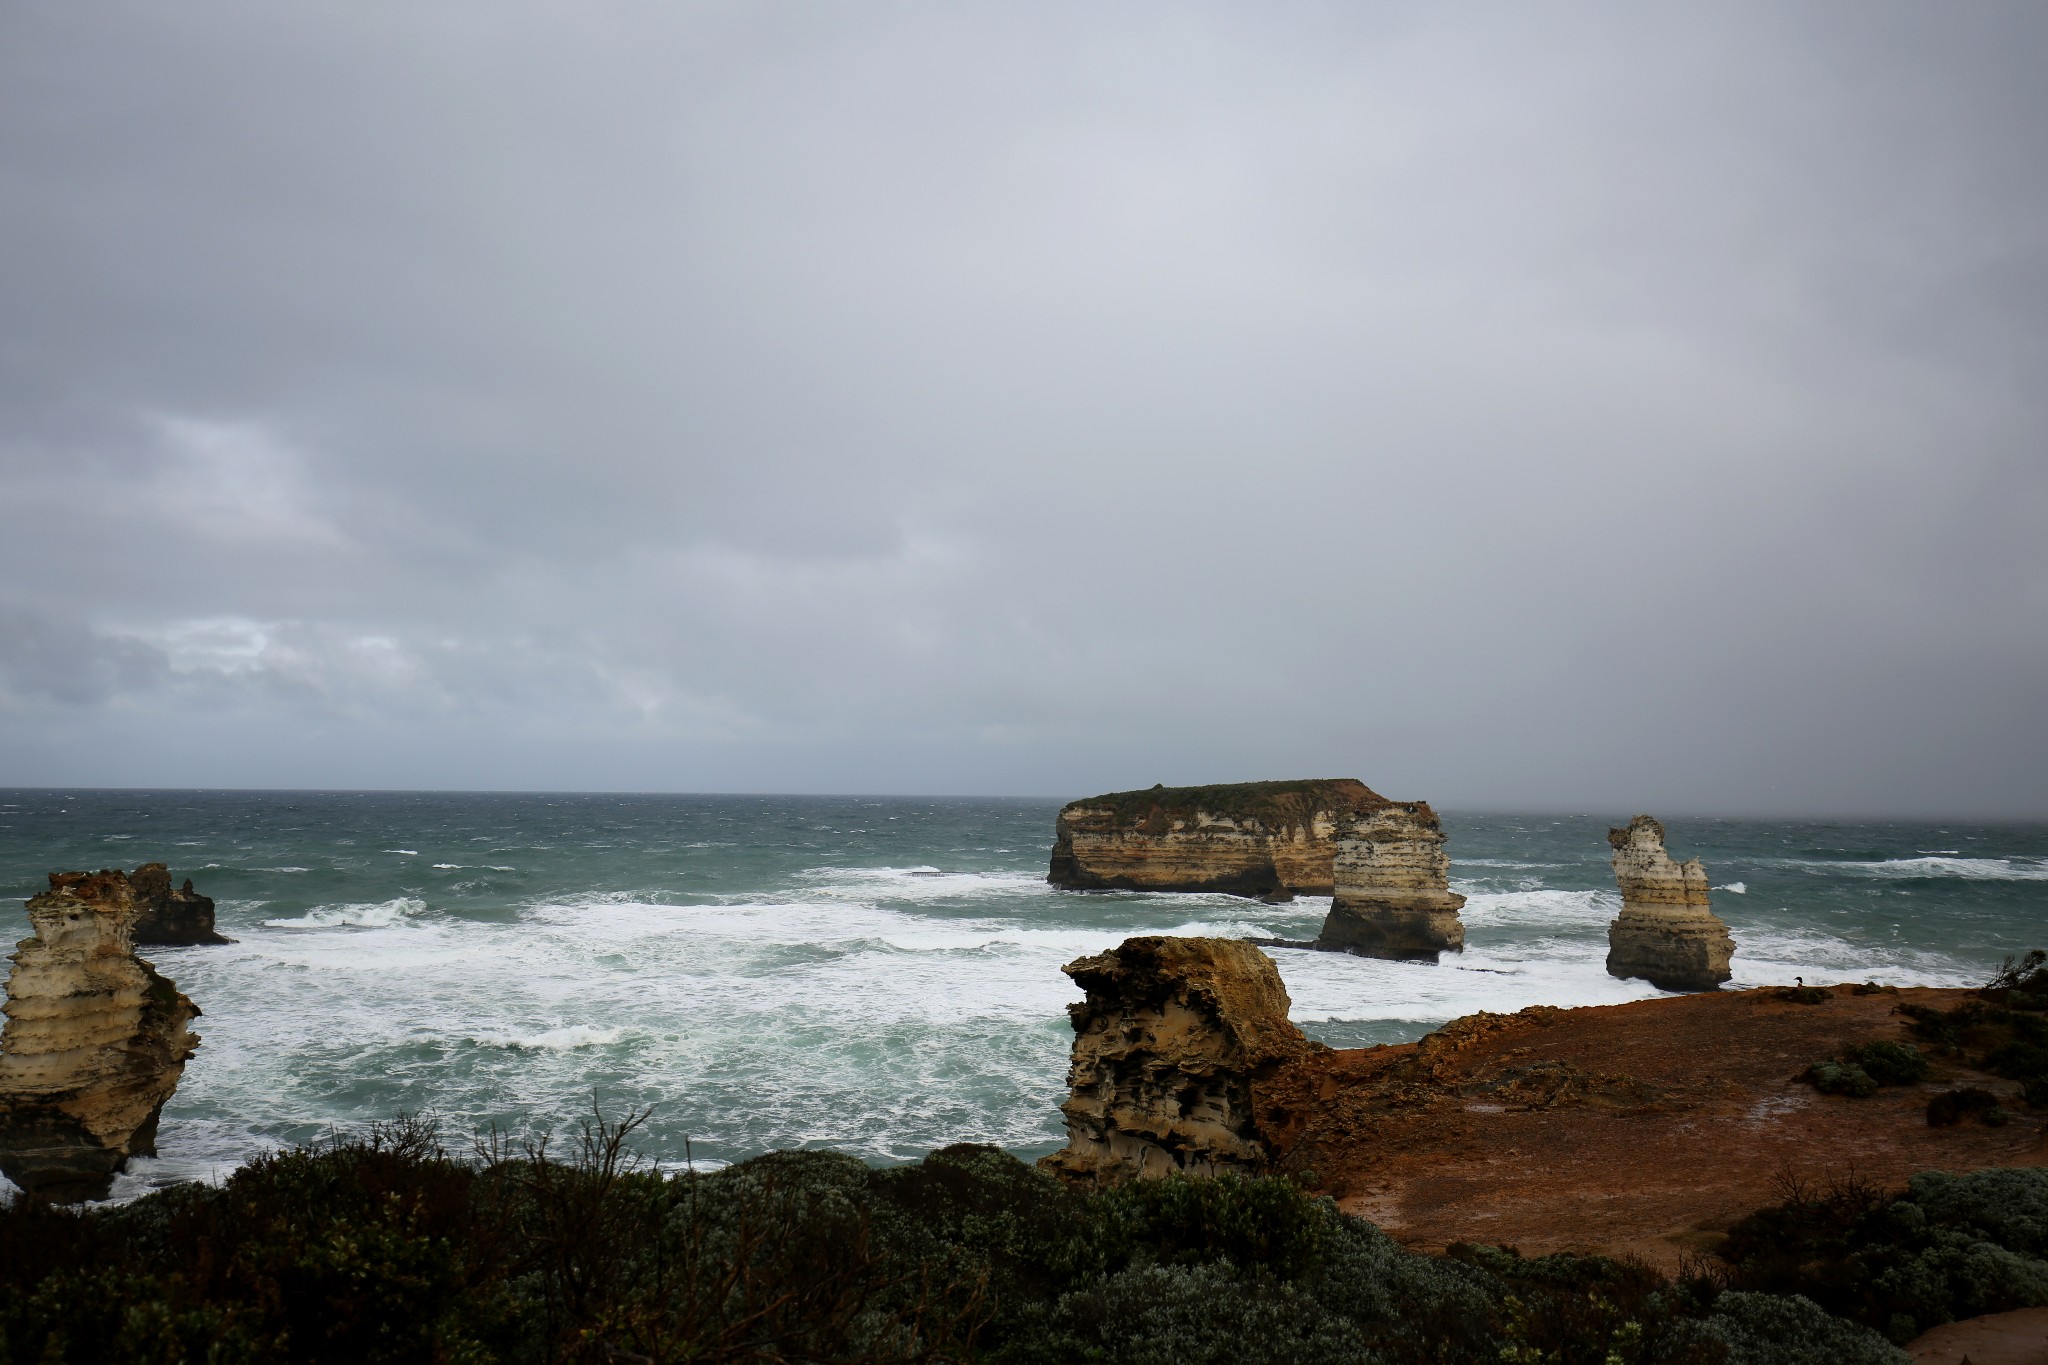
(1246, 838)
(1666, 934)
(172, 918)
(95, 1042)
(1393, 896)
(1172, 1051)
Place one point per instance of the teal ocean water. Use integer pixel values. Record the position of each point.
(878, 975)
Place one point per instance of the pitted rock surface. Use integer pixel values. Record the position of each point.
(1173, 1049)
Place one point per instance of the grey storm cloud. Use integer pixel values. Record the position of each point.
(1594, 406)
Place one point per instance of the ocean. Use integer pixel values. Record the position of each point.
(879, 975)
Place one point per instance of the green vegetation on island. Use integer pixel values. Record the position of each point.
(1276, 805)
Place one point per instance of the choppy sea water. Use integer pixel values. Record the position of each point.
(877, 975)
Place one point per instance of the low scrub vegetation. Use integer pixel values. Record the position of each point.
(1951, 1107)
(1949, 1247)
(387, 1248)
(2003, 1031)
(1860, 1073)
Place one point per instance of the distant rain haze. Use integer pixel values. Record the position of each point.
(1605, 407)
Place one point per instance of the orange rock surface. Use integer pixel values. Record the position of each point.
(1641, 1129)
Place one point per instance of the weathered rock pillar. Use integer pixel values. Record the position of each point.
(1172, 1050)
(1666, 934)
(94, 1043)
(1393, 894)
(171, 918)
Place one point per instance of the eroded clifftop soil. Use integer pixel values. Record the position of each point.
(1249, 838)
(1643, 1129)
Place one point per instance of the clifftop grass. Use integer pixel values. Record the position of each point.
(1276, 805)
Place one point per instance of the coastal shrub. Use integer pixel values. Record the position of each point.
(1841, 1078)
(1186, 1315)
(1772, 1329)
(1863, 1069)
(1271, 1223)
(2022, 983)
(1804, 995)
(387, 1248)
(1594, 1309)
(1890, 1063)
(2007, 1039)
(1410, 1307)
(1953, 1106)
(1949, 1247)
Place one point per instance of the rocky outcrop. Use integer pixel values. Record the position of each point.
(1666, 933)
(170, 918)
(94, 1043)
(1393, 895)
(1172, 1051)
(1246, 838)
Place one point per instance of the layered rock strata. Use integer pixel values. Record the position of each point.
(1246, 838)
(167, 917)
(1666, 934)
(1393, 894)
(95, 1041)
(1173, 1049)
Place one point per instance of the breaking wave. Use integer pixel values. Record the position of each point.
(382, 915)
(565, 1039)
(1971, 869)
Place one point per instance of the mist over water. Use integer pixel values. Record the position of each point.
(878, 975)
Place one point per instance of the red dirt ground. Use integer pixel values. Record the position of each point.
(2018, 1338)
(1643, 1129)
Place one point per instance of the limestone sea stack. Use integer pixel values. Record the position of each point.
(1666, 933)
(1247, 838)
(167, 917)
(1172, 1049)
(1393, 894)
(95, 1042)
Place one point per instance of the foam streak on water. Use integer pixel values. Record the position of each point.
(880, 976)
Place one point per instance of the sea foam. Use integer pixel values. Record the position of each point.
(382, 915)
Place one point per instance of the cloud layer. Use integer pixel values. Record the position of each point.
(1599, 407)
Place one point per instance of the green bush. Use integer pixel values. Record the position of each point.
(1770, 1329)
(1186, 1315)
(1950, 1247)
(387, 1249)
(1890, 1063)
(1841, 1078)
(1859, 1074)
(2008, 1042)
(1953, 1106)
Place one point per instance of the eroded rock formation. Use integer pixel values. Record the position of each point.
(95, 1041)
(167, 917)
(1246, 838)
(1393, 895)
(1666, 933)
(1172, 1049)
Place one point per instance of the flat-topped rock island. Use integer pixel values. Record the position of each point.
(1244, 838)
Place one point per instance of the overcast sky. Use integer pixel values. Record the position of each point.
(1637, 406)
